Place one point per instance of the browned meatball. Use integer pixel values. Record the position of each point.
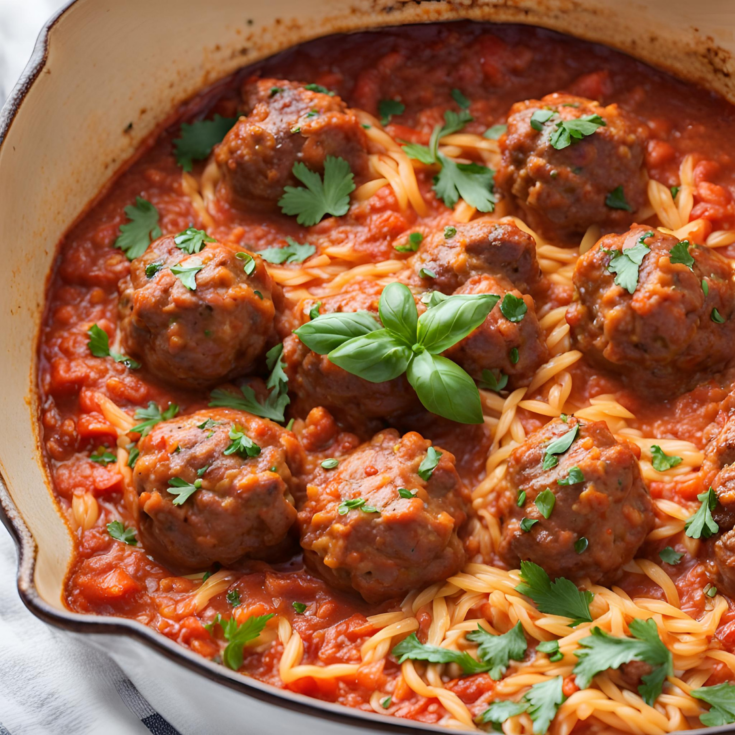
(563, 192)
(241, 502)
(724, 562)
(608, 504)
(197, 338)
(718, 469)
(317, 382)
(286, 123)
(516, 349)
(669, 334)
(449, 258)
(358, 531)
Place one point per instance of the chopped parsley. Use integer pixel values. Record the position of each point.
(626, 263)
(705, 287)
(99, 346)
(527, 524)
(495, 132)
(248, 263)
(191, 241)
(349, 504)
(426, 273)
(662, 461)
(575, 476)
(386, 702)
(559, 446)
(702, 524)
(187, 273)
(233, 597)
(513, 308)
(560, 597)
(238, 636)
(581, 545)
(545, 502)
(498, 712)
(449, 232)
(182, 489)
(540, 118)
(319, 196)
(241, 444)
(299, 607)
(602, 651)
(460, 99)
(133, 454)
(571, 131)
(314, 311)
(412, 244)
(551, 649)
(721, 699)
(674, 191)
(103, 456)
(711, 591)
(616, 200)
(429, 463)
(117, 531)
(152, 269)
(294, 252)
(497, 651)
(388, 108)
(717, 317)
(514, 355)
(405, 493)
(152, 415)
(521, 500)
(330, 464)
(319, 88)
(669, 556)
(197, 139)
(140, 230)
(680, 254)
(411, 648)
(544, 700)
(490, 382)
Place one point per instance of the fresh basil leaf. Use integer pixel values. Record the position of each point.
(545, 502)
(197, 140)
(429, 463)
(445, 389)
(702, 524)
(527, 524)
(397, 309)
(191, 241)
(574, 477)
(328, 331)
(141, 229)
(412, 244)
(388, 108)
(560, 597)
(319, 197)
(559, 446)
(452, 320)
(616, 200)
(376, 357)
(513, 308)
(405, 493)
(293, 252)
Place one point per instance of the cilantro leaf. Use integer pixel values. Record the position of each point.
(319, 197)
(117, 531)
(575, 476)
(545, 502)
(721, 699)
(152, 415)
(602, 651)
(429, 463)
(560, 597)
(702, 524)
(559, 446)
(238, 636)
(670, 556)
(616, 200)
(182, 489)
(141, 229)
(241, 444)
(197, 139)
(495, 132)
(571, 131)
(412, 648)
(626, 263)
(498, 650)
(470, 181)
(680, 254)
(191, 240)
(294, 252)
(544, 700)
(388, 108)
(662, 461)
(498, 712)
(187, 273)
(513, 308)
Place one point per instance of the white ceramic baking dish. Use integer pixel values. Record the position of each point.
(101, 64)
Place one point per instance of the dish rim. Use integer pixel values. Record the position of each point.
(110, 625)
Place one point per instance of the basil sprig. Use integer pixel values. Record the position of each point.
(407, 343)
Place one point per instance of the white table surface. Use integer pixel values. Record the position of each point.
(49, 683)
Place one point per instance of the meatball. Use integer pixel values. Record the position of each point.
(449, 258)
(724, 562)
(197, 338)
(317, 382)
(673, 331)
(241, 469)
(563, 192)
(718, 471)
(286, 123)
(359, 532)
(516, 349)
(593, 492)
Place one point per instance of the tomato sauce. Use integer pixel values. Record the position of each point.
(494, 67)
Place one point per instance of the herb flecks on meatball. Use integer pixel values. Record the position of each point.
(573, 501)
(385, 520)
(657, 311)
(215, 486)
(197, 319)
(568, 163)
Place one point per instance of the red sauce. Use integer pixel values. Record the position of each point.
(494, 67)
